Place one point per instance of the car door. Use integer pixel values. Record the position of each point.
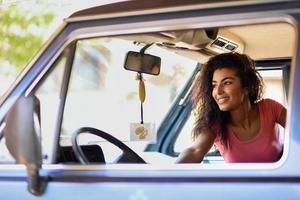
(50, 77)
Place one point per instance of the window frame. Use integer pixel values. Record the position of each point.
(90, 32)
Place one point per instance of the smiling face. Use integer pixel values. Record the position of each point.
(228, 91)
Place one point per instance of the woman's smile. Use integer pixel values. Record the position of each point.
(222, 100)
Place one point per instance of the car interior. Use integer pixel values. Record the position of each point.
(115, 111)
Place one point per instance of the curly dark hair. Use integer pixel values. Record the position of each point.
(207, 111)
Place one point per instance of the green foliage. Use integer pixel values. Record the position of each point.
(21, 33)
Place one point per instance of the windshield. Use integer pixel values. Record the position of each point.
(103, 95)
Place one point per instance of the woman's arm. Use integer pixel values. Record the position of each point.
(199, 148)
(282, 118)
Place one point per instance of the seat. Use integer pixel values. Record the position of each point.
(94, 154)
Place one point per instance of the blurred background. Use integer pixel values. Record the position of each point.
(25, 26)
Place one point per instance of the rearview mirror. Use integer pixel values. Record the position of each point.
(142, 63)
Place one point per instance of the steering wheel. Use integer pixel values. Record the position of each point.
(128, 155)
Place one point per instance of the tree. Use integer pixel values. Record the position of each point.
(21, 33)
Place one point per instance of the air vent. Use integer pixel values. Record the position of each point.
(231, 47)
(219, 42)
(225, 45)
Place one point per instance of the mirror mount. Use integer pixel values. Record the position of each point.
(142, 51)
(23, 142)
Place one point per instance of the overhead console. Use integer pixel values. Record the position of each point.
(210, 41)
(197, 44)
(225, 42)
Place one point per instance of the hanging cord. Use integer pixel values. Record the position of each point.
(142, 94)
(142, 114)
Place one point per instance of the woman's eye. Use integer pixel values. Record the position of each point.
(227, 83)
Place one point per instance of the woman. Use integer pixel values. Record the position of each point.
(232, 114)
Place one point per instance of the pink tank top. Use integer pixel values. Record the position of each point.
(266, 146)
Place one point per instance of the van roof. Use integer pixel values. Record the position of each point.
(136, 6)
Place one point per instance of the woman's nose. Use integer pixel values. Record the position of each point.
(219, 89)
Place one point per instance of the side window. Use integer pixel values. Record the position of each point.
(273, 80)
